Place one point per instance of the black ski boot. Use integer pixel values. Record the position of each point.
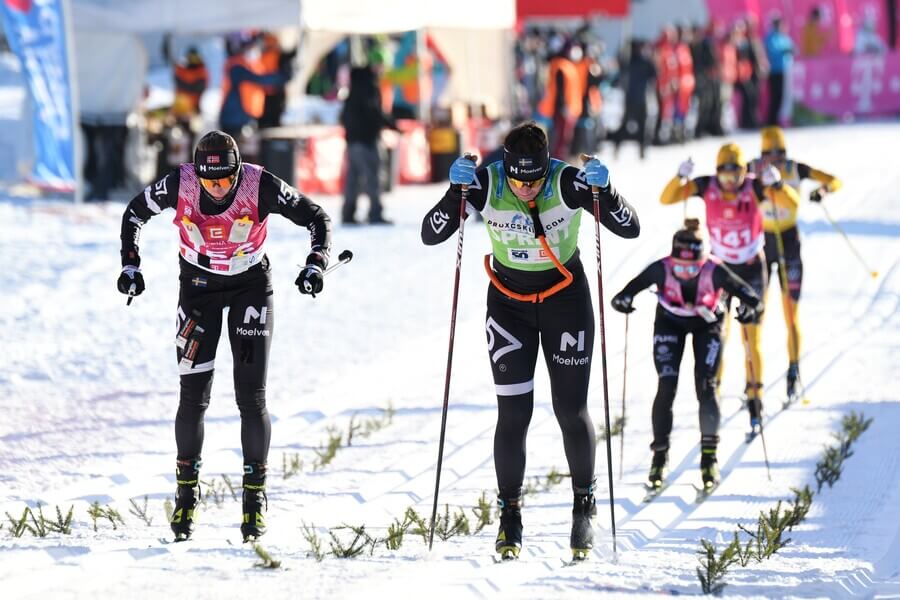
(709, 467)
(658, 469)
(509, 538)
(254, 502)
(583, 512)
(793, 375)
(187, 494)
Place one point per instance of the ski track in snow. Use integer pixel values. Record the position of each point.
(89, 394)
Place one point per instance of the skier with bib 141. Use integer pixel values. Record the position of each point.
(221, 208)
(538, 296)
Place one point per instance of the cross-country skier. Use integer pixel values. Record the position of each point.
(689, 288)
(784, 222)
(734, 220)
(538, 296)
(221, 211)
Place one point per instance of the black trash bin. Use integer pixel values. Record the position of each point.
(278, 156)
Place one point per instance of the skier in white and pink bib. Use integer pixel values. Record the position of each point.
(734, 220)
(689, 287)
(222, 206)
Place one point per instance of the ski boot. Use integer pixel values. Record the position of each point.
(187, 494)
(657, 469)
(509, 538)
(583, 512)
(254, 502)
(709, 467)
(754, 407)
(793, 376)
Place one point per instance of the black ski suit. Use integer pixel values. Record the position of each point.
(563, 324)
(670, 333)
(248, 295)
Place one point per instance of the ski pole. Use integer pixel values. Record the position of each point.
(624, 381)
(440, 460)
(343, 258)
(785, 292)
(853, 249)
(756, 399)
(595, 193)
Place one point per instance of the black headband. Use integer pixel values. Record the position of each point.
(526, 167)
(216, 164)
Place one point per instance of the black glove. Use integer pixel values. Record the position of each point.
(622, 303)
(131, 282)
(817, 194)
(312, 277)
(748, 314)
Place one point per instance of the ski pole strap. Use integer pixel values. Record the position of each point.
(535, 297)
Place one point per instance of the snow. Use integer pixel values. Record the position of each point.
(89, 394)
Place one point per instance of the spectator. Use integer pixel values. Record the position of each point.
(686, 82)
(814, 37)
(561, 104)
(780, 52)
(191, 79)
(640, 84)
(706, 70)
(867, 39)
(273, 61)
(748, 75)
(363, 121)
(666, 84)
(243, 95)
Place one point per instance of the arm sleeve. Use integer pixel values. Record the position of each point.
(675, 191)
(828, 181)
(443, 219)
(726, 279)
(782, 195)
(654, 274)
(155, 198)
(616, 214)
(276, 196)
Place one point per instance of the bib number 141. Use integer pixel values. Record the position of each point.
(734, 238)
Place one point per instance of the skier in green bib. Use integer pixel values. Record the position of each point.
(538, 296)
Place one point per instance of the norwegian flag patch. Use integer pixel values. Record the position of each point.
(212, 159)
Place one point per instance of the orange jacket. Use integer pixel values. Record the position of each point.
(572, 88)
(253, 95)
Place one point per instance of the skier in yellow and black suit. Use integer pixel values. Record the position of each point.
(784, 222)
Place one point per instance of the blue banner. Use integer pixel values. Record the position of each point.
(36, 31)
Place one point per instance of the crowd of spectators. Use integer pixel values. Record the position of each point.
(691, 81)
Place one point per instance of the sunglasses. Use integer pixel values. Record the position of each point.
(690, 270)
(223, 183)
(518, 184)
(776, 154)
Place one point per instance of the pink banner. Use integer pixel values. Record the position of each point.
(849, 85)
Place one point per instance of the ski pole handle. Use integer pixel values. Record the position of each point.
(343, 258)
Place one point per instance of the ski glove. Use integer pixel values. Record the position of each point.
(311, 280)
(817, 194)
(596, 173)
(462, 171)
(131, 282)
(686, 168)
(748, 314)
(622, 303)
(770, 176)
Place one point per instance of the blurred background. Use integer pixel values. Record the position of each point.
(100, 97)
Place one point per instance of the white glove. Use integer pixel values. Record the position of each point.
(770, 176)
(686, 168)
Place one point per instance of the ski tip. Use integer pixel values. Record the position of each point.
(805, 401)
